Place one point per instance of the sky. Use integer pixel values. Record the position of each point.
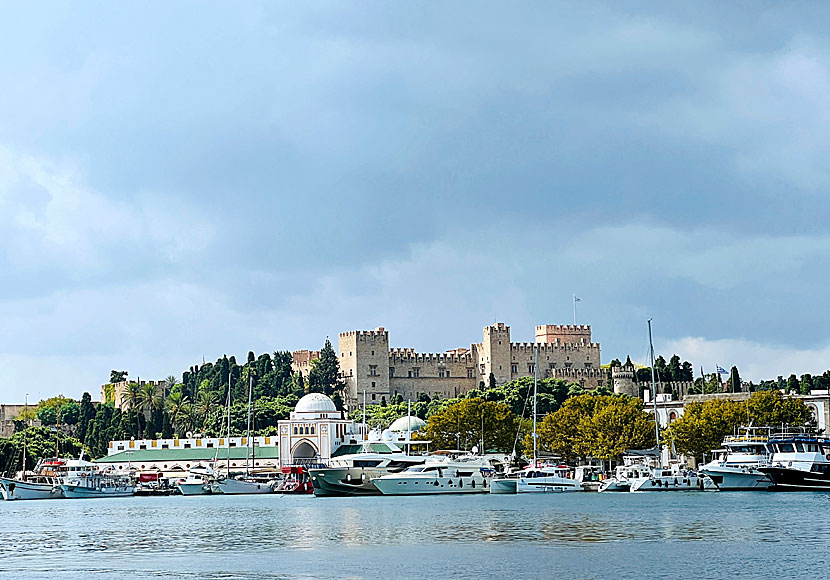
(184, 180)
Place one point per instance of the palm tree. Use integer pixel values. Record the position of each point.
(130, 400)
(169, 383)
(149, 399)
(178, 408)
(205, 403)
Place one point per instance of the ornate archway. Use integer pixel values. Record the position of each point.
(303, 451)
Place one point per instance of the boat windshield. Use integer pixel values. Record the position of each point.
(416, 469)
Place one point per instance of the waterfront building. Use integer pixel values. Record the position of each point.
(368, 363)
(314, 431)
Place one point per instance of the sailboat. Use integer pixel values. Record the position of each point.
(674, 476)
(537, 477)
(246, 484)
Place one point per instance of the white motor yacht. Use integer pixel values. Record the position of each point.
(540, 479)
(798, 462)
(439, 474)
(634, 467)
(735, 466)
(675, 477)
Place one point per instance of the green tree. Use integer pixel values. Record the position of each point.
(87, 415)
(460, 425)
(47, 416)
(118, 376)
(69, 413)
(793, 386)
(324, 376)
(178, 409)
(806, 384)
(674, 369)
(703, 425)
(734, 380)
(599, 426)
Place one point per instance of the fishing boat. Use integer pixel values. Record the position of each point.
(798, 462)
(41, 483)
(736, 465)
(440, 474)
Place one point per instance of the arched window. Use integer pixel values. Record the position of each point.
(295, 429)
(312, 429)
(306, 429)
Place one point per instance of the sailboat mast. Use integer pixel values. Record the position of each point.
(365, 435)
(248, 434)
(654, 388)
(408, 426)
(229, 424)
(26, 416)
(535, 389)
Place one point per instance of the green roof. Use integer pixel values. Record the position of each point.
(193, 454)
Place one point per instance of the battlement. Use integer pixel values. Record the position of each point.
(409, 354)
(363, 334)
(624, 372)
(573, 333)
(551, 346)
(578, 373)
(497, 327)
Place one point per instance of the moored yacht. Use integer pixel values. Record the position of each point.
(539, 479)
(675, 477)
(353, 468)
(84, 479)
(439, 475)
(39, 484)
(635, 467)
(735, 466)
(199, 481)
(798, 462)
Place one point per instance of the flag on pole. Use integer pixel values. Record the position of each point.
(577, 299)
(721, 370)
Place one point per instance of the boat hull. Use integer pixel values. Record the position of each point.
(788, 479)
(666, 483)
(241, 487)
(547, 485)
(431, 486)
(12, 489)
(198, 488)
(342, 481)
(615, 485)
(503, 486)
(736, 478)
(70, 491)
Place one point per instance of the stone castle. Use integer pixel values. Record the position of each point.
(367, 363)
(625, 383)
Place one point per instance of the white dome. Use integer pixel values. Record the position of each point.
(315, 403)
(400, 425)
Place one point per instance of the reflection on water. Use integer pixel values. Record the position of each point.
(380, 537)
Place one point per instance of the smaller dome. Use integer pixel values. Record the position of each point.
(414, 424)
(315, 403)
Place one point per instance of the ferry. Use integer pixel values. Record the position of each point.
(798, 462)
(735, 467)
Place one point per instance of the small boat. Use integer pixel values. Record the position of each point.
(199, 481)
(539, 479)
(636, 465)
(296, 479)
(798, 462)
(439, 475)
(675, 477)
(735, 466)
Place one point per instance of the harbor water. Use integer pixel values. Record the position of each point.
(576, 535)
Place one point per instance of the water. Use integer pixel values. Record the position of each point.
(579, 536)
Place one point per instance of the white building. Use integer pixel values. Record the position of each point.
(314, 431)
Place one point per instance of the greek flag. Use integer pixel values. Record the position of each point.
(577, 299)
(721, 370)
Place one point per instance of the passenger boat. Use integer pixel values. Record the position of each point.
(736, 466)
(539, 479)
(199, 481)
(84, 479)
(798, 462)
(41, 483)
(353, 468)
(445, 474)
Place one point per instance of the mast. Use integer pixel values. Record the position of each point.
(408, 426)
(26, 415)
(654, 389)
(229, 426)
(365, 434)
(248, 435)
(535, 388)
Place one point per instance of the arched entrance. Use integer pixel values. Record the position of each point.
(303, 452)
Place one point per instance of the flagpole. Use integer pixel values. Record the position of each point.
(574, 309)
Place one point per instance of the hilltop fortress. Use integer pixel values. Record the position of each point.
(367, 363)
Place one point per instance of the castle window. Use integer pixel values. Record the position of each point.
(373, 396)
(409, 374)
(469, 373)
(440, 374)
(514, 368)
(373, 353)
(416, 372)
(448, 374)
(531, 368)
(588, 365)
(552, 365)
(499, 342)
(392, 373)
(568, 365)
(482, 369)
(373, 370)
(373, 384)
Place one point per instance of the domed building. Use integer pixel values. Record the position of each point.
(315, 429)
(407, 425)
